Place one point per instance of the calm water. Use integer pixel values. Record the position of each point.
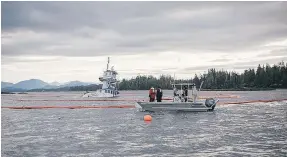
(255, 129)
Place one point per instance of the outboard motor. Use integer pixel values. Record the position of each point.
(209, 102)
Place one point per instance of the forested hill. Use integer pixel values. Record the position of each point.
(263, 77)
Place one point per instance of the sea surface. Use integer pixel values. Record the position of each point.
(247, 129)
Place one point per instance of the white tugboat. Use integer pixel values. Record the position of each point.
(109, 81)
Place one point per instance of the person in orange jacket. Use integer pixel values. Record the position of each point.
(151, 94)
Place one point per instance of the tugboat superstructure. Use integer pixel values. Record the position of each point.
(109, 84)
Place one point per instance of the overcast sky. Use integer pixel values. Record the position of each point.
(65, 41)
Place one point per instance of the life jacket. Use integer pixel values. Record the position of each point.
(152, 93)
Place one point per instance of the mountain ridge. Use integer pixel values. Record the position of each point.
(30, 84)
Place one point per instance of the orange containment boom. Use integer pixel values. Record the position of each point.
(130, 100)
(252, 101)
(86, 99)
(120, 106)
(68, 107)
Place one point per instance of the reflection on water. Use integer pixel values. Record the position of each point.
(257, 129)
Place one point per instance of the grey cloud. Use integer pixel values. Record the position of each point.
(154, 71)
(48, 15)
(148, 70)
(202, 68)
(102, 28)
(270, 61)
(221, 60)
(238, 65)
(79, 71)
(279, 52)
(10, 60)
(275, 53)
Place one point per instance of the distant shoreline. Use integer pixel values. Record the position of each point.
(239, 89)
(14, 93)
(218, 89)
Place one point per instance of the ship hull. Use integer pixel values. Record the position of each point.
(101, 94)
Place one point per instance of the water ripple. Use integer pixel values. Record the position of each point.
(257, 129)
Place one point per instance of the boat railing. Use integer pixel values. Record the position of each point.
(183, 84)
(194, 91)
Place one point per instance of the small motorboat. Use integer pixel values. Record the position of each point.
(181, 102)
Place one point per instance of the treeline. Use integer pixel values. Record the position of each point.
(264, 77)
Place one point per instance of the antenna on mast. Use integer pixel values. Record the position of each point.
(108, 63)
(174, 79)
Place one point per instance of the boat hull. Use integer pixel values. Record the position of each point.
(175, 106)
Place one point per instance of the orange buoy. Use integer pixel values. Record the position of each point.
(147, 118)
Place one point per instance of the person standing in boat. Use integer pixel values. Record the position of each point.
(151, 94)
(185, 93)
(159, 94)
(175, 92)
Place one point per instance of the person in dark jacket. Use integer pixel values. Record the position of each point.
(158, 94)
(185, 94)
